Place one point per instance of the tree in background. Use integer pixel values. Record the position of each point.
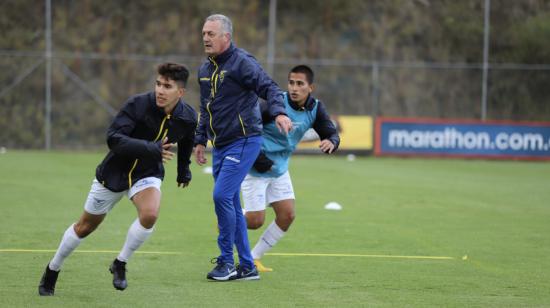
(109, 45)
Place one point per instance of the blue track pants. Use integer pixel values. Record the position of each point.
(230, 165)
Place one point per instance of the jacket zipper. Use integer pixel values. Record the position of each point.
(213, 85)
(242, 125)
(167, 117)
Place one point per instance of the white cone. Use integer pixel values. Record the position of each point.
(333, 206)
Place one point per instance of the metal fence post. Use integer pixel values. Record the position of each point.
(48, 77)
(271, 37)
(375, 72)
(486, 28)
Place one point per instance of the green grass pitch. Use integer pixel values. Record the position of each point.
(372, 253)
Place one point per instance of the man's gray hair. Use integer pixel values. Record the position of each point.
(227, 25)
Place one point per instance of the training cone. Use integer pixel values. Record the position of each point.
(333, 206)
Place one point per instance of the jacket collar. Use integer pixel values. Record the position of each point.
(178, 108)
(224, 55)
(175, 112)
(309, 104)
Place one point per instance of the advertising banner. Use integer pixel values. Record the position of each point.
(355, 135)
(463, 138)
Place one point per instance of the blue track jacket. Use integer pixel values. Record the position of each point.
(230, 85)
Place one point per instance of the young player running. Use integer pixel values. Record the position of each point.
(139, 140)
(269, 180)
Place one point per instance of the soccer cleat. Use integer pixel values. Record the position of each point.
(118, 269)
(247, 274)
(222, 271)
(47, 283)
(261, 268)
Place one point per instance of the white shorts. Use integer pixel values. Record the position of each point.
(259, 191)
(101, 200)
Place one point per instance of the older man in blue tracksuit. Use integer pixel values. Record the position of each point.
(231, 81)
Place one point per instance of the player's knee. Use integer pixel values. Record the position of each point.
(84, 229)
(288, 218)
(254, 223)
(285, 220)
(148, 220)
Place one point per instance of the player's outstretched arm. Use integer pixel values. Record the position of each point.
(330, 140)
(283, 123)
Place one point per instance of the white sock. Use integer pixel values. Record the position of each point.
(269, 238)
(68, 244)
(137, 235)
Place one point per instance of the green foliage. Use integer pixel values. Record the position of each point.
(22, 25)
(122, 42)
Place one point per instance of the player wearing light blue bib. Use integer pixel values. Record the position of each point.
(268, 182)
(278, 147)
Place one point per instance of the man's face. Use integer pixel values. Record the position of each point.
(214, 39)
(299, 88)
(167, 93)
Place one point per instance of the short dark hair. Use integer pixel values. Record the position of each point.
(174, 71)
(304, 69)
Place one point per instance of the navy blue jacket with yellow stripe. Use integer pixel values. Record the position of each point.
(134, 139)
(230, 85)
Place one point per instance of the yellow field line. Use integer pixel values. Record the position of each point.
(356, 255)
(285, 254)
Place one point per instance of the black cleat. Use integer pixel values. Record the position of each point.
(118, 269)
(47, 283)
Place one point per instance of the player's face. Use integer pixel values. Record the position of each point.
(167, 93)
(298, 88)
(214, 39)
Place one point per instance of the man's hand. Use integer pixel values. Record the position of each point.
(326, 146)
(167, 155)
(199, 154)
(184, 177)
(283, 124)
